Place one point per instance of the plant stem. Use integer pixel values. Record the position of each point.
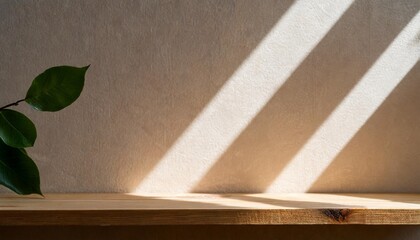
(12, 104)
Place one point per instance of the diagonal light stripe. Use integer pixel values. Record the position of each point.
(243, 95)
(352, 113)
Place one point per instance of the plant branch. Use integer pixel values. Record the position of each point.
(12, 104)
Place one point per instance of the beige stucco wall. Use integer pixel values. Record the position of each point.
(222, 96)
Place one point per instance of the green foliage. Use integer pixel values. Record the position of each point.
(16, 130)
(56, 88)
(17, 170)
(52, 90)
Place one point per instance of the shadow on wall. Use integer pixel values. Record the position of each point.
(196, 48)
(302, 104)
(155, 65)
(384, 155)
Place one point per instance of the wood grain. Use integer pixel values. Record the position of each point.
(204, 209)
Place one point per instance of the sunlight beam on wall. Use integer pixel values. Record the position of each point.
(243, 96)
(352, 113)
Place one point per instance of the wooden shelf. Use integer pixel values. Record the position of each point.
(196, 209)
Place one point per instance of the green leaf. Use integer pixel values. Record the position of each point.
(56, 88)
(17, 171)
(16, 129)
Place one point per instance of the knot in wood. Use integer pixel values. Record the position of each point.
(338, 215)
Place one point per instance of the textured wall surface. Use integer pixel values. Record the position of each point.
(222, 96)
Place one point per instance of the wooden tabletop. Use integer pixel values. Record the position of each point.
(192, 209)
